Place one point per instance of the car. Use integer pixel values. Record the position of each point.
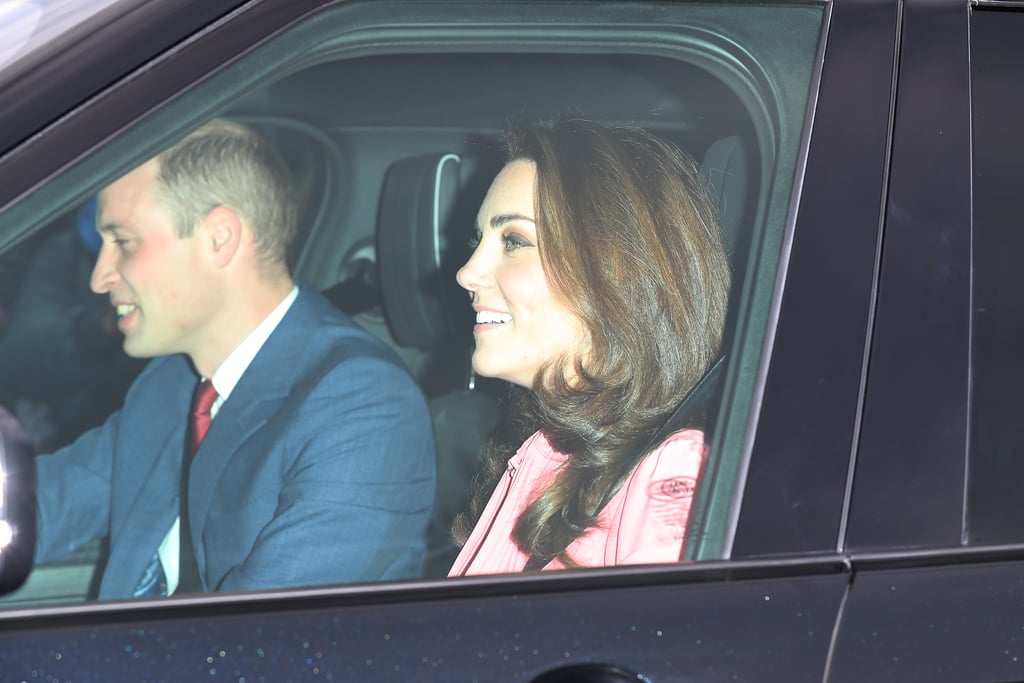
(860, 515)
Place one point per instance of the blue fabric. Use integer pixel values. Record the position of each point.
(319, 468)
(85, 224)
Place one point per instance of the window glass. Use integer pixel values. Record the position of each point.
(392, 144)
(995, 506)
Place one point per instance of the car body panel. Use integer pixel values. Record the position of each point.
(957, 620)
(712, 629)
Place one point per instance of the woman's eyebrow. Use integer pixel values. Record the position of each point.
(506, 218)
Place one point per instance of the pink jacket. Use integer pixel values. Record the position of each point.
(644, 523)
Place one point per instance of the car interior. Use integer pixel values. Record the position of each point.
(392, 263)
(393, 153)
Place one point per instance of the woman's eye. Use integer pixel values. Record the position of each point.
(474, 240)
(513, 242)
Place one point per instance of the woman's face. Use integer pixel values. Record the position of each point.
(520, 323)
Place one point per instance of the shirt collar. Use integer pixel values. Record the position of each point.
(234, 366)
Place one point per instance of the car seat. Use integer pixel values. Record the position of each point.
(726, 169)
(427, 211)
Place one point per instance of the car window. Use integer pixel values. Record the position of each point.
(994, 511)
(391, 130)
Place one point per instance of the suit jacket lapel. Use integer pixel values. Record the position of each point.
(155, 504)
(253, 401)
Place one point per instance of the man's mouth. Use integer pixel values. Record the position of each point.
(126, 314)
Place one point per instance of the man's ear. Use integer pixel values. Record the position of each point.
(222, 231)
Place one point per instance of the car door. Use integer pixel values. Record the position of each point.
(766, 578)
(934, 526)
(933, 532)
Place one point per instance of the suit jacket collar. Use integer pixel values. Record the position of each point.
(231, 370)
(255, 399)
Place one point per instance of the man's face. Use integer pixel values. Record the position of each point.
(154, 278)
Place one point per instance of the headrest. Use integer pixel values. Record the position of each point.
(727, 171)
(426, 214)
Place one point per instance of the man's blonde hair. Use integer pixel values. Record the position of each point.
(223, 163)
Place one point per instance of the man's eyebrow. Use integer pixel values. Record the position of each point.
(111, 228)
(506, 218)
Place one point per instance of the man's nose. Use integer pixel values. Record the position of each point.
(104, 274)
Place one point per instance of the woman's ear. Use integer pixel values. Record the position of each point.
(222, 234)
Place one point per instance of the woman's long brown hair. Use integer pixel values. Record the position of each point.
(631, 244)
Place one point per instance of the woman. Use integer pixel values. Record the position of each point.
(600, 286)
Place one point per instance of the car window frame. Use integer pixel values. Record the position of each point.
(804, 447)
(188, 108)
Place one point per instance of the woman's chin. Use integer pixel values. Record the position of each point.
(493, 370)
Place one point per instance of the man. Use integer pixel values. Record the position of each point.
(318, 465)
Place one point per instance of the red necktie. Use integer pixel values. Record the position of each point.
(200, 418)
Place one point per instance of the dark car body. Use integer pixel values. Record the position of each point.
(868, 526)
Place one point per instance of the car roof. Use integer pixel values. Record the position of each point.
(55, 54)
(31, 32)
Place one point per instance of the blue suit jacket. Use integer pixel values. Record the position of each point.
(319, 468)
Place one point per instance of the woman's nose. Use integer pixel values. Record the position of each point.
(471, 276)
